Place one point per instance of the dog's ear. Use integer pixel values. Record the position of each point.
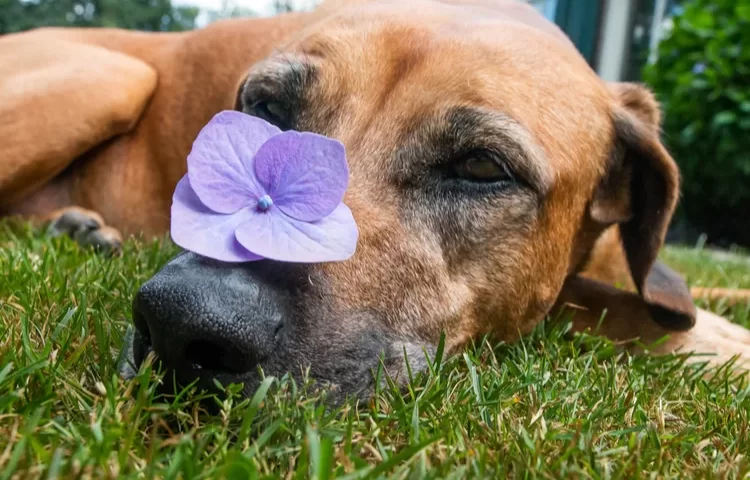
(639, 191)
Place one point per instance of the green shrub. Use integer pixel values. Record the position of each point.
(702, 78)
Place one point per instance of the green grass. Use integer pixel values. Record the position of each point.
(551, 406)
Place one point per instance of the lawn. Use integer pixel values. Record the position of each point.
(551, 406)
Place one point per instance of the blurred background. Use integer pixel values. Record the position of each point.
(695, 54)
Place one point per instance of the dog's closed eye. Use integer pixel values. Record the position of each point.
(479, 167)
(275, 91)
(271, 111)
(473, 152)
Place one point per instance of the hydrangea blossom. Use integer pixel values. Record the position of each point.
(254, 192)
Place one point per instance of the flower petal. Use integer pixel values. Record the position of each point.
(305, 174)
(198, 229)
(279, 237)
(220, 163)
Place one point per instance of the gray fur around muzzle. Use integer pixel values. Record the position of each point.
(210, 321)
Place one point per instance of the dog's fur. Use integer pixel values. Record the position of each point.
(103, 120)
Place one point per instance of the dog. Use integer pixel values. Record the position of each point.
(494, 177)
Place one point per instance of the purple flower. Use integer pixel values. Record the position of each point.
(254, 192)
(699, 68)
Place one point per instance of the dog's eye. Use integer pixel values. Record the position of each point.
(273, 112)
(480, 168)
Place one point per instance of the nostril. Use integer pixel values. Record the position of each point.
(278, 329)
(141, 324)
(139, 320)
(231, 327)
(203, 354)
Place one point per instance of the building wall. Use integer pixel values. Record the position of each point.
(580, 19)
(601, 29)
(615, 39)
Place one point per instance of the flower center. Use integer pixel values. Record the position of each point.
(264, 203)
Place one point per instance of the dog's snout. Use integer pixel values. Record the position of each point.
(204, 317)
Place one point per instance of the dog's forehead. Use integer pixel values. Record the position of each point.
(390, 68)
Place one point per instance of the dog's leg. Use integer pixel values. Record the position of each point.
(622, 315)
(58, 100)
(729, 296)
(712, 335)
(625, 318)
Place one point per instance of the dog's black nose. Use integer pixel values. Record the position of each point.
(208, 317)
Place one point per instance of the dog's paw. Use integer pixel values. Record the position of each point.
(87, 228)
(713, 339)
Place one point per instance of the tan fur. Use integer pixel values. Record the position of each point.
(102, 95)
(379, 70)
(129, 179)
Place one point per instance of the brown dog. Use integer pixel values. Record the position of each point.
(494, 177)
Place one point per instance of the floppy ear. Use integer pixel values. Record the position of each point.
(639, 191)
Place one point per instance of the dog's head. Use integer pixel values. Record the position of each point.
(486, 158)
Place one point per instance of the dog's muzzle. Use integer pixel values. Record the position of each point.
(206, 320)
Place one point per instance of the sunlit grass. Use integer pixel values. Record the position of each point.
(551, 406)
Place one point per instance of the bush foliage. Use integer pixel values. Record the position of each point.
(148, 15)
(702, 78)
